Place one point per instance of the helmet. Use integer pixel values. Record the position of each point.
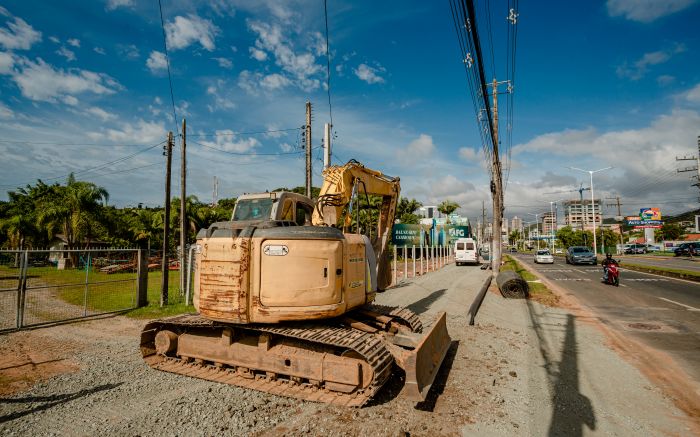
(608, 255)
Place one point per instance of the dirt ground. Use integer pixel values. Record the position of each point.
(523, 369)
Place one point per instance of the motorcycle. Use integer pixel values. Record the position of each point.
(613, 277)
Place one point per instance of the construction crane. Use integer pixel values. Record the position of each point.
(580, 190)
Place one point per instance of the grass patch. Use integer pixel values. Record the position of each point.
(674, 273)
(538, 291)
(107, 292)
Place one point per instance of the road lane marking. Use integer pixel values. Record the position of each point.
(647, 279)
(556, 270)
(571, 279)
(688, 307)
(580, 271)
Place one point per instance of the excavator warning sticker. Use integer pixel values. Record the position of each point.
(356, 284)
(275, 250)
(356, 260)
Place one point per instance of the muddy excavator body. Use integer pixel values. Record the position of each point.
(284, 302)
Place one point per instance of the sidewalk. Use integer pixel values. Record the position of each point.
(534, 370)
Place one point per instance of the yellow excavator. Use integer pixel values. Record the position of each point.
(284, 294)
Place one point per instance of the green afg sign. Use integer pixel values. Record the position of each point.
(440, 235)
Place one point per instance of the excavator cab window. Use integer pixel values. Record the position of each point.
(288, 211)
(303, 214)
(252, 209)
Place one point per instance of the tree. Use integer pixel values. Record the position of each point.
(447, 207)
(514, 237)
(671, 231)
(72, 209)
(405, 211)
(607, 238)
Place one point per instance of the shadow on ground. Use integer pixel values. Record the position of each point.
(47, 402)
(571, 409)
(422, 305)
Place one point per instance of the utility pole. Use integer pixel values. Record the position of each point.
(696, 169)
(166, 222)
(308, 149)
(496, 187)
(327, 145)
(183, 210)
(619, 205)
(215, 193)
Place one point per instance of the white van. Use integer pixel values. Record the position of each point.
(466, 251)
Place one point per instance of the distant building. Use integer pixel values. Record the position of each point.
(516, 223)
(579, 214)
(549, 223)
(428, 212)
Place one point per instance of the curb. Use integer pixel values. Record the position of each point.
(661, 272)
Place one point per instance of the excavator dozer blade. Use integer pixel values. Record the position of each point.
(423, 363)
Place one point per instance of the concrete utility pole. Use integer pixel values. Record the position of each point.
(308, 150)
(183, 210)
(483, 222)
(496, 188)
(695, 169)
(166, 222)
(619, 205)
(215, 193)
(327, 145)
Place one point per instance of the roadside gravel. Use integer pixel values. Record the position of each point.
(523, 369)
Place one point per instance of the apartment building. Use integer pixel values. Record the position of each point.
(578, 214)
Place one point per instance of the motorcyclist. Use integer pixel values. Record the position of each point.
(606, 262)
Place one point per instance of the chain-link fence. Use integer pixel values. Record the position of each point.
(48, 286)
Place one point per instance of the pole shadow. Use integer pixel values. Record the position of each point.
(49, 401)
(571, 409)
(422, 305)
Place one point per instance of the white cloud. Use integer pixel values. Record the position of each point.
(68, 54)
(285, 147)
(468, 154)
(69, 100)
(6, 62)
(300, 66)
(185, 31)
(18, 35)
(224, 63)
(421, 147)
(114, 4)
(221, 93)
(665, 80)
(257, 54)
(693, 95)
(368, 74)
(156, 62)
(139, 133)
(101, 113)
(99, 50)
(5, 112)
(54, 40)
(640, 67)
(227, 140)
(129, 51)
(74, 42)
(646, 11)
(274, 81)
(41, 81)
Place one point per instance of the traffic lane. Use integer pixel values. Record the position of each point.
(662, 261)
(662, 313)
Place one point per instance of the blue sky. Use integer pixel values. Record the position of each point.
(83, 86)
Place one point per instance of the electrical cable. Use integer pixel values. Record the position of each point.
(248, 153)
(328, 64)
(167, 63)
(220, 134)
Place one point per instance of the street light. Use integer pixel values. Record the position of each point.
(590, 172)
(537, 226)
(552, 224)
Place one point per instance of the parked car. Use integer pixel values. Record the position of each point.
(580, 255)
(687, 249)
(558, 250)
(636, 248)
(466, 251)
(544, 257)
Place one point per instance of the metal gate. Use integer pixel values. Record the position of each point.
(47, 286)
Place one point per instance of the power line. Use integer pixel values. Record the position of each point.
(167, 62)
(225, 134)
(328, 64)
(248, 153)
(51, 143)
(87, 170)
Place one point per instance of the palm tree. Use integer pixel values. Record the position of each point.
(447, 207)
(72, 209)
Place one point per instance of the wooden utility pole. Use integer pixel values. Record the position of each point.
(496, 189)
(483, 222)
(308, 149)
(619, 205)
(183, 210)
(166, 222)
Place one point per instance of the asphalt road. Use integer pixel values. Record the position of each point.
(663, 313)
(670, 262)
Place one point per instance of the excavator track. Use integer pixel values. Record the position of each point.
(369, 348)
(399, 314)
